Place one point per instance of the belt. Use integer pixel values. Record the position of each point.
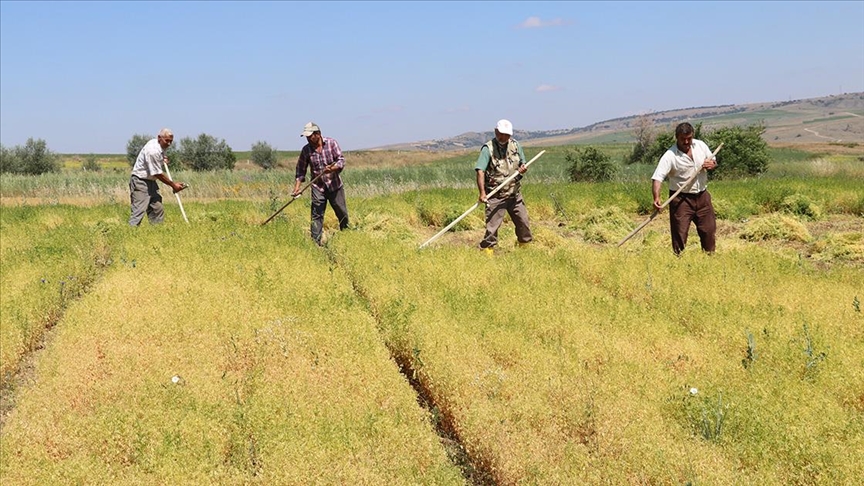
(688, 194)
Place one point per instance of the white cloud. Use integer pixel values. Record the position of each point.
(537, 23)
(545, 88)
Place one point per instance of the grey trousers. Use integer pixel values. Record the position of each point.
(515, 207)
(144, 196)
(319, 204)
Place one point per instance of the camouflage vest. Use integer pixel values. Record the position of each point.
(502, 165)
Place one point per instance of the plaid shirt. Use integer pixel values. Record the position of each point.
(316, 161)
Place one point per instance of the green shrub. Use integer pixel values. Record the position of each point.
(590, 165)
(9, 163)
(263, 155)
(137, 142)
(206, 153)
(644, 133)
(744, 152)
(134, 146)
(33, 158)
(659, 145)
(90, 163)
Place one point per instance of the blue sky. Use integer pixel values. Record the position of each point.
(86, 76)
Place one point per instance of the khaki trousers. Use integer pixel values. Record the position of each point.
(495, 209)
(144, 196)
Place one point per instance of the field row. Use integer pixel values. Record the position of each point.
(247, 354)
(208, 355)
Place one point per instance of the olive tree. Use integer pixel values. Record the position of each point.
(134, 146)
(206, 153)
(33, 158)
(138, 141)
(8, 161)
(263, 155)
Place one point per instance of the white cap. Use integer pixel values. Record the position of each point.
(504, 126)
(309, 129)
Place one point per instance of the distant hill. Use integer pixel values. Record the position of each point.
(836, 118)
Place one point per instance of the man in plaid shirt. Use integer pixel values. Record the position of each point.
(323, 157)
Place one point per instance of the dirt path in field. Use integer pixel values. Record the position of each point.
(475, 472)
(815, 133)
(25, 374)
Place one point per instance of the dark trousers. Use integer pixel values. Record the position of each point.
(495, 209)
(319, 204)
(697, 208)
(144, 196)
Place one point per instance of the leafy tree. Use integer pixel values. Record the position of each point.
(206, 153)
(33, 158)
(134, 146)
(744, 152)
(644, 132)
(263, 155)
(590, 164)
(662, 142)
(9, 163)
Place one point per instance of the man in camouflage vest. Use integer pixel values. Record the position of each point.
(500, 158)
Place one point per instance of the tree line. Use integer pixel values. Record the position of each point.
(745, 153)
(202, 153)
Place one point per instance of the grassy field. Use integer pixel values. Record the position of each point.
(372, 173)
(224, 352)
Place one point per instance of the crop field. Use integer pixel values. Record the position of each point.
(226, 352)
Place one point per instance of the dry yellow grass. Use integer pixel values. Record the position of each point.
(566, 362)
(282, 377)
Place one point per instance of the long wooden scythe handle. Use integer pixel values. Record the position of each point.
(293, 198)
(472, 208)
(179, 203)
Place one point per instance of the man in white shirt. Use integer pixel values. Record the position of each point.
(687, 157)
(143, 190)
